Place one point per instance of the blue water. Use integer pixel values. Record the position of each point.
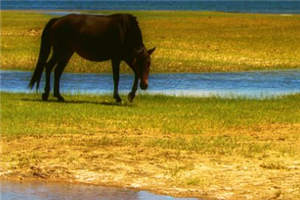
(59, 191)
(248, 6)
(256, 84)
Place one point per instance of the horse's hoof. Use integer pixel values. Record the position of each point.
(131, 97)
(60, 99)
(45, 96)
(118, 99)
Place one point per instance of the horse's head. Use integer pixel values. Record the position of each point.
(141, 65)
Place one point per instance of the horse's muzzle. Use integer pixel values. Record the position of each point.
(144, 86)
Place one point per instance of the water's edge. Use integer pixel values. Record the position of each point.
(39, 190)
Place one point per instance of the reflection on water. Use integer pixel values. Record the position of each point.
(256, 84)
(60, 191)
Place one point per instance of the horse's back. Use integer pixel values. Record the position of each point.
(94, 37)
(78, 23)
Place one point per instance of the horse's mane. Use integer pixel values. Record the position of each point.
(134, 33)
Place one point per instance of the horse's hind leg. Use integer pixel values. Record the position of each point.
(49, 67)
(57, 74)
(116, 74)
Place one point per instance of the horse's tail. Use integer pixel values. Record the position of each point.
(43, 55)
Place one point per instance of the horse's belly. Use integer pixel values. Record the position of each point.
(98, 52)
(93, 56)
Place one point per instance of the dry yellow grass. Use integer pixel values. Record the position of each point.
(106, 160)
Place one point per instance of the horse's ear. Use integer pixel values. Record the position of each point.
(150, 51)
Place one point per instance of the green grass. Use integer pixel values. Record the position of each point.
(213, 125)
(186, 41)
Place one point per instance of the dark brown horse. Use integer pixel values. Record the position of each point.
(94, 37)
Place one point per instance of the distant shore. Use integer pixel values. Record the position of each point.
(230, 6)
(186, 41)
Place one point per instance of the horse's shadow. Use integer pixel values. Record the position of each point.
(104, 103)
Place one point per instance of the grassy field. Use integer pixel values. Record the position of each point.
(212, 147)
(186, 41)
(205, 147)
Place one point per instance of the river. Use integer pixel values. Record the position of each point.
(255, 84)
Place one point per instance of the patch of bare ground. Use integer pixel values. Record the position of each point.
(116, 160)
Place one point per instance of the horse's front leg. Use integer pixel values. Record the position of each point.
(116, 75)
(131, 94)
(49, 67)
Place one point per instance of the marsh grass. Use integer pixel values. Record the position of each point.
(186, 41)
(206, 125)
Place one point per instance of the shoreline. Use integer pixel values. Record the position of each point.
(251, 180)
(172, 192)
(125, 72)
